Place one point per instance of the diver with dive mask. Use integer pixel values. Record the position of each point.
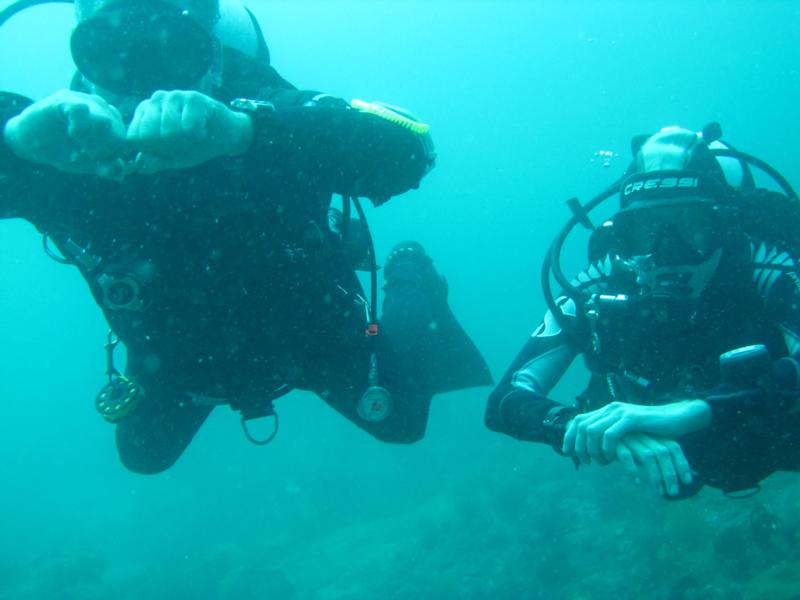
(668, 241)
(129, 50)
(137, 48)
(697, 262)
(213, 258)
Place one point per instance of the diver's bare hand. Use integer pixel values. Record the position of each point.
(595, 435)
(180, 129)
(71, 131)
(660, 461)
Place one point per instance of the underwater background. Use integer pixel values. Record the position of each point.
(523, 97)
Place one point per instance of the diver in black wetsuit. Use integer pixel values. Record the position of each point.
(688, 319)
(191, 186)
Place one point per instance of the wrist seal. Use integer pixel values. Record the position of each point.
(554, 425)
(257, 109)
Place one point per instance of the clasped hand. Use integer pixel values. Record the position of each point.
(82, 133)
(643, 438)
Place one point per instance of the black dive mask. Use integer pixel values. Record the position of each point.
(685, 233)
(137, 48)
(672, 249)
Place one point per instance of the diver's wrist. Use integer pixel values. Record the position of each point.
(698, 415)
(245, 132)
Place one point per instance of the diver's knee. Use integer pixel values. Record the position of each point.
(143, 458)
(399, 435)
(146, 464)
(492, 422)
(491, 417)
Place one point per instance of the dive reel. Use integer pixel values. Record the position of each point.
(120, 396)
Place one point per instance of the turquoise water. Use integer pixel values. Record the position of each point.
(521, 97)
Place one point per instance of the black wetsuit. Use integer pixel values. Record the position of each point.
(754, 298)
(242, 286)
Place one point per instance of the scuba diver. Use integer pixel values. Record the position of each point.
(688, 319)
(191, 185)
